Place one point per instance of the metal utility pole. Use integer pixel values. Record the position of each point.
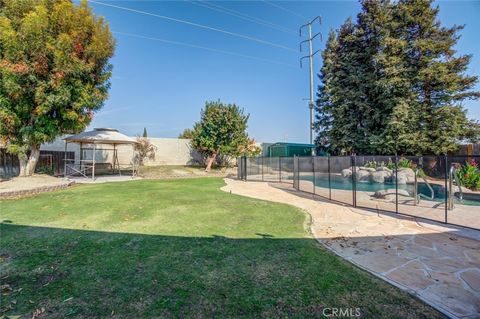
(310, 55)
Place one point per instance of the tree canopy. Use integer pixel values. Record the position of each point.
(54, 72)
(391, 82)
(186, 134)
(221, 131)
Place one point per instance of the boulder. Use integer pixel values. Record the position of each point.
(368, 169)
(390, 193)
(408, 173)
(346, 172)
(380, 194)
(402, 179)
(378, 177)
(384, 169)
(362, 176)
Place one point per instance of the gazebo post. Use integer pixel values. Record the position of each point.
(114, 157)
(93, 168)
(65, 161)
(81, 155)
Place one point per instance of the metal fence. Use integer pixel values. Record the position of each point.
(428, 187)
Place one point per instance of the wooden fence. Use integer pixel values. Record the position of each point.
(468, 150)
(9, 165)
(50, 162)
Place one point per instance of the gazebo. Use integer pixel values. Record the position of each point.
(95, 141)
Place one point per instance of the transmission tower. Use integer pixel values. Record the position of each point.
(310, 55)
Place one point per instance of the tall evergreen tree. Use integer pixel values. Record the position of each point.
(391, 83)
(437, 76)
(342, 93)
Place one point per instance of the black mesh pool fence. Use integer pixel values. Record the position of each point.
(436, 188)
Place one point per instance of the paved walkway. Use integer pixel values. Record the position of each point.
(440, 265)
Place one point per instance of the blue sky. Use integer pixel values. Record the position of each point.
(163, 85)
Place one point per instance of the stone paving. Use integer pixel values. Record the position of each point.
(438, 264)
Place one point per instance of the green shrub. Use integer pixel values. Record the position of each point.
(370, 164)
(391, 165)
(44, 170)
(405, 163)
(469, 175)
(402, 163)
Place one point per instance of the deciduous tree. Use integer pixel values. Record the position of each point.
(54, 72)
(186, 134)
(221, 130)
(145, 149)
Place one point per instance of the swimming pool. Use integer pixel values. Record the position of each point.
(342, 183)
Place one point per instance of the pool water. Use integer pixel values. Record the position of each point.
(339, 182)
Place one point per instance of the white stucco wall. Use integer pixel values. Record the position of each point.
(170, 151)
(174, 151)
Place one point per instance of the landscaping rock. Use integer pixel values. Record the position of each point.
(379, 176)
(380, 194)
(346, 172)
(402, 179)
(368, 169)
(384, 169)
(362, 176)
(408, 174)
(390, 193)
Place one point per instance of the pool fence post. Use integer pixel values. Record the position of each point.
(296, 172)
(446, 188)
(329, 180)
(244, 160)
(396, 183)
(279, 169)
(313, 171)
(262, 169)
(353, 163)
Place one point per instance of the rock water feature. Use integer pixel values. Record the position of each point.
(382, 175)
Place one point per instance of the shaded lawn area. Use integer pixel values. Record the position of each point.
(176, 248)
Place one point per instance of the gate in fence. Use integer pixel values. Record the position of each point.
(434, 188)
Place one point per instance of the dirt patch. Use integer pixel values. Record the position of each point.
(30, 182)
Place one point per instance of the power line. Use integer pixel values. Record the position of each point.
(241, 15)
(185, 44)
(298, 15)
(198, 25)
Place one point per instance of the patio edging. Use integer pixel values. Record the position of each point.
(33, 191)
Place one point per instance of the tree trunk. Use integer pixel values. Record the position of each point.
(23, 167)
(27, 167)
(211, 160)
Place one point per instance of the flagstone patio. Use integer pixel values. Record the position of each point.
(439, 264)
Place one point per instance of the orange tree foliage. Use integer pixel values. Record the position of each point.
(54, 70)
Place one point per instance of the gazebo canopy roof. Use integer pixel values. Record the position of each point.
(101, 136)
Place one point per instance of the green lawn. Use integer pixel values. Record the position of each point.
(176, 248)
